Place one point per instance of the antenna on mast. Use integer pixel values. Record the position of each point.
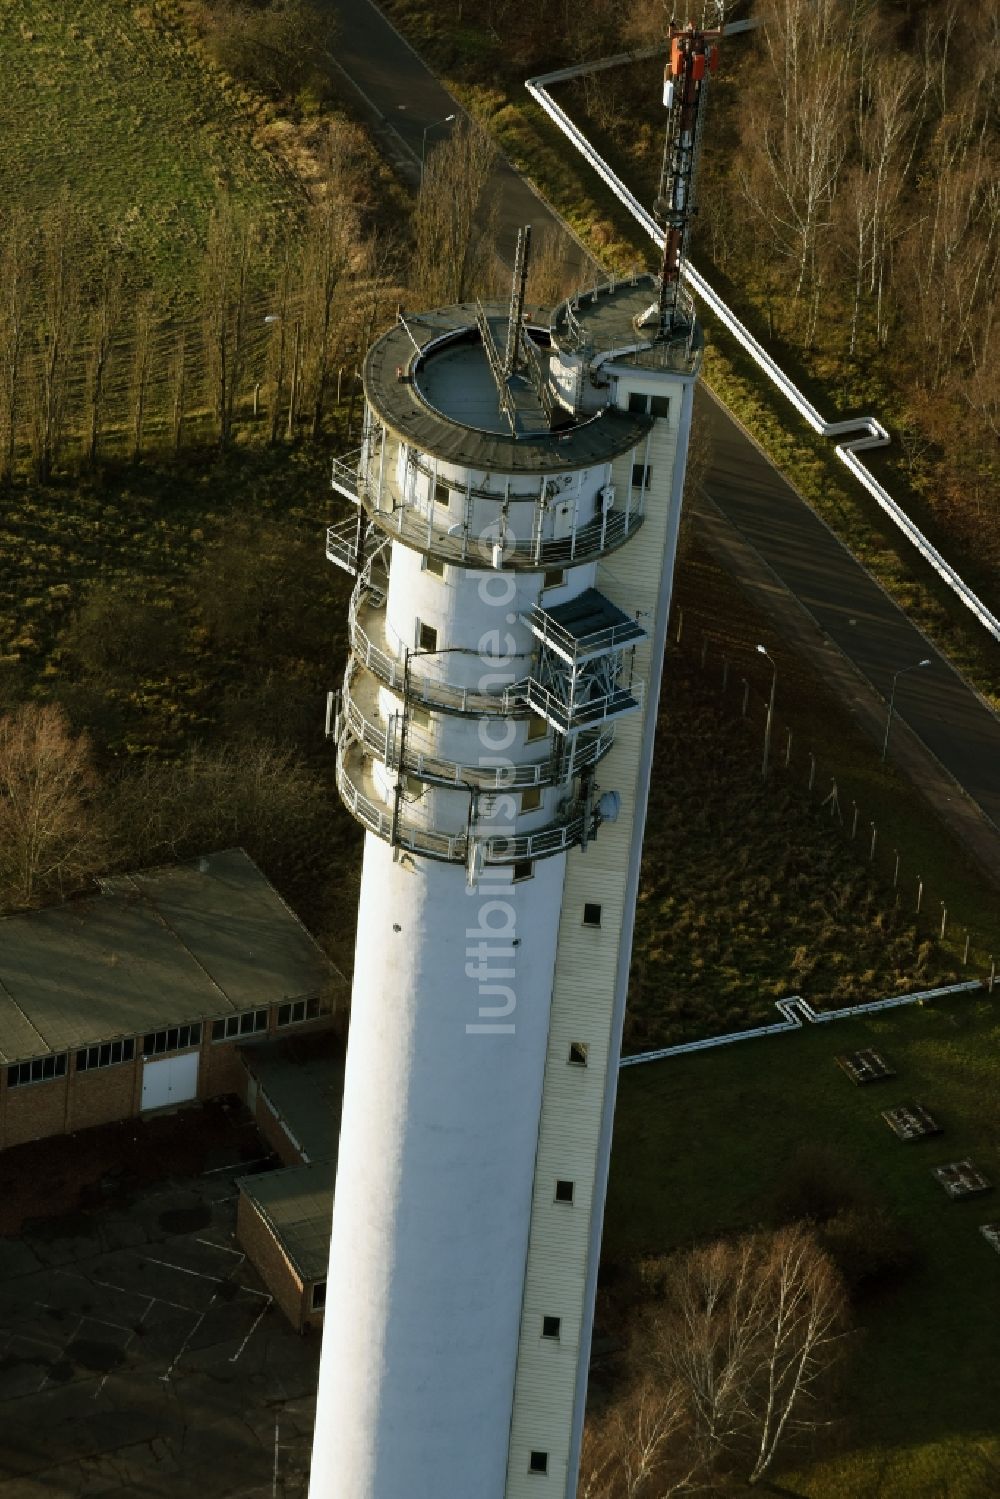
(518, 287)
(694, 55)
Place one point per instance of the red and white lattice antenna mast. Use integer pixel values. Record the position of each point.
(694, 56)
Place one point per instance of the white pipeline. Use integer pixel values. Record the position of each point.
(869, 432)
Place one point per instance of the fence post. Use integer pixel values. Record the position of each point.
(965, 955)
(788, 747)
(944, 917)
(920, 892)
(895, 873)
(746, 696)
(871, 854)
(680, 625)
(993, 974)
(812, 770)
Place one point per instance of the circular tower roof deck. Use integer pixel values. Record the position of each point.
(430, 380)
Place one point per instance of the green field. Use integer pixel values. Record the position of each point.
(702, 1145)
(117, 105)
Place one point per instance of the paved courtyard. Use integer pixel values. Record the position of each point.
(140, 1355)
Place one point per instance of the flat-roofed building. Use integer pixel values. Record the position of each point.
(140, 996)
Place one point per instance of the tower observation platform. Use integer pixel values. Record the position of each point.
(516, 497)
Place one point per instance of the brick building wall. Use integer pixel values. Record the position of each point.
(104, 1095)
(272, 1264)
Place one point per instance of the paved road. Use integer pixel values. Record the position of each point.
(943, 712)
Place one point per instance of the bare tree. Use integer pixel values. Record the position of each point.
(796, 129)
(16, 275)
(451, 230)
(142, 329)
(225, 285)
(638, 1449)
(57, 332)
(178, 390)
(105, 317)
(326, 260)
(752, 1330)
(50, 834)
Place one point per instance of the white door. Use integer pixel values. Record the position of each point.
(172, 1080)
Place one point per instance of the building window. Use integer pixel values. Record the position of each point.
(550, 1327)
(298, 1010)
(433, 565)
(564, 1191)
(419, 717)
(233, 1026)
(642, 473)
(591, 914)
(318, 1299)
(578, 1053)
(538, 1462)
(538, 727)
(108, 1055)
(531, 799)
(41, 1070)
(554, 577)
(523, 869)
(427, 637)
(649, 405)
(442, 494)
(177, 1038)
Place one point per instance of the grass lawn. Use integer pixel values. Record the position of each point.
(701, 1146)
(115, 102)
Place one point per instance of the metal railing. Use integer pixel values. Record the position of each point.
(556, 838)
(573, 648)
(342, 544)
(567, 716)
(609, 531)
(381, 743)
(870, 432)
(421, 689)
(397, 515)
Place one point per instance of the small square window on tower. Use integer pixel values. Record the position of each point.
(638, 401)
(591, 913)
(660, 406)
(564, 1191)
(433, 565)
(550, 1327)
(427, 637)
(531, 799)
(642, 473)
(538, 1462)
(442, 494)
(523, 870)
(578, 1053)
(537, 727)
(554, 577)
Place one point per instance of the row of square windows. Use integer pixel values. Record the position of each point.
(174, 1038)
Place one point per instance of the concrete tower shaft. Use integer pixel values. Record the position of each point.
(512, 547)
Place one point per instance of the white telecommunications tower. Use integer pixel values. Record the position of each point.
(519, 493)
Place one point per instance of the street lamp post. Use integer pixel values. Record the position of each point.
(762, 650)
(892, 699)
(423, 144)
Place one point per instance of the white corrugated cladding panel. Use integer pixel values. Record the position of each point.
(583, 1010)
